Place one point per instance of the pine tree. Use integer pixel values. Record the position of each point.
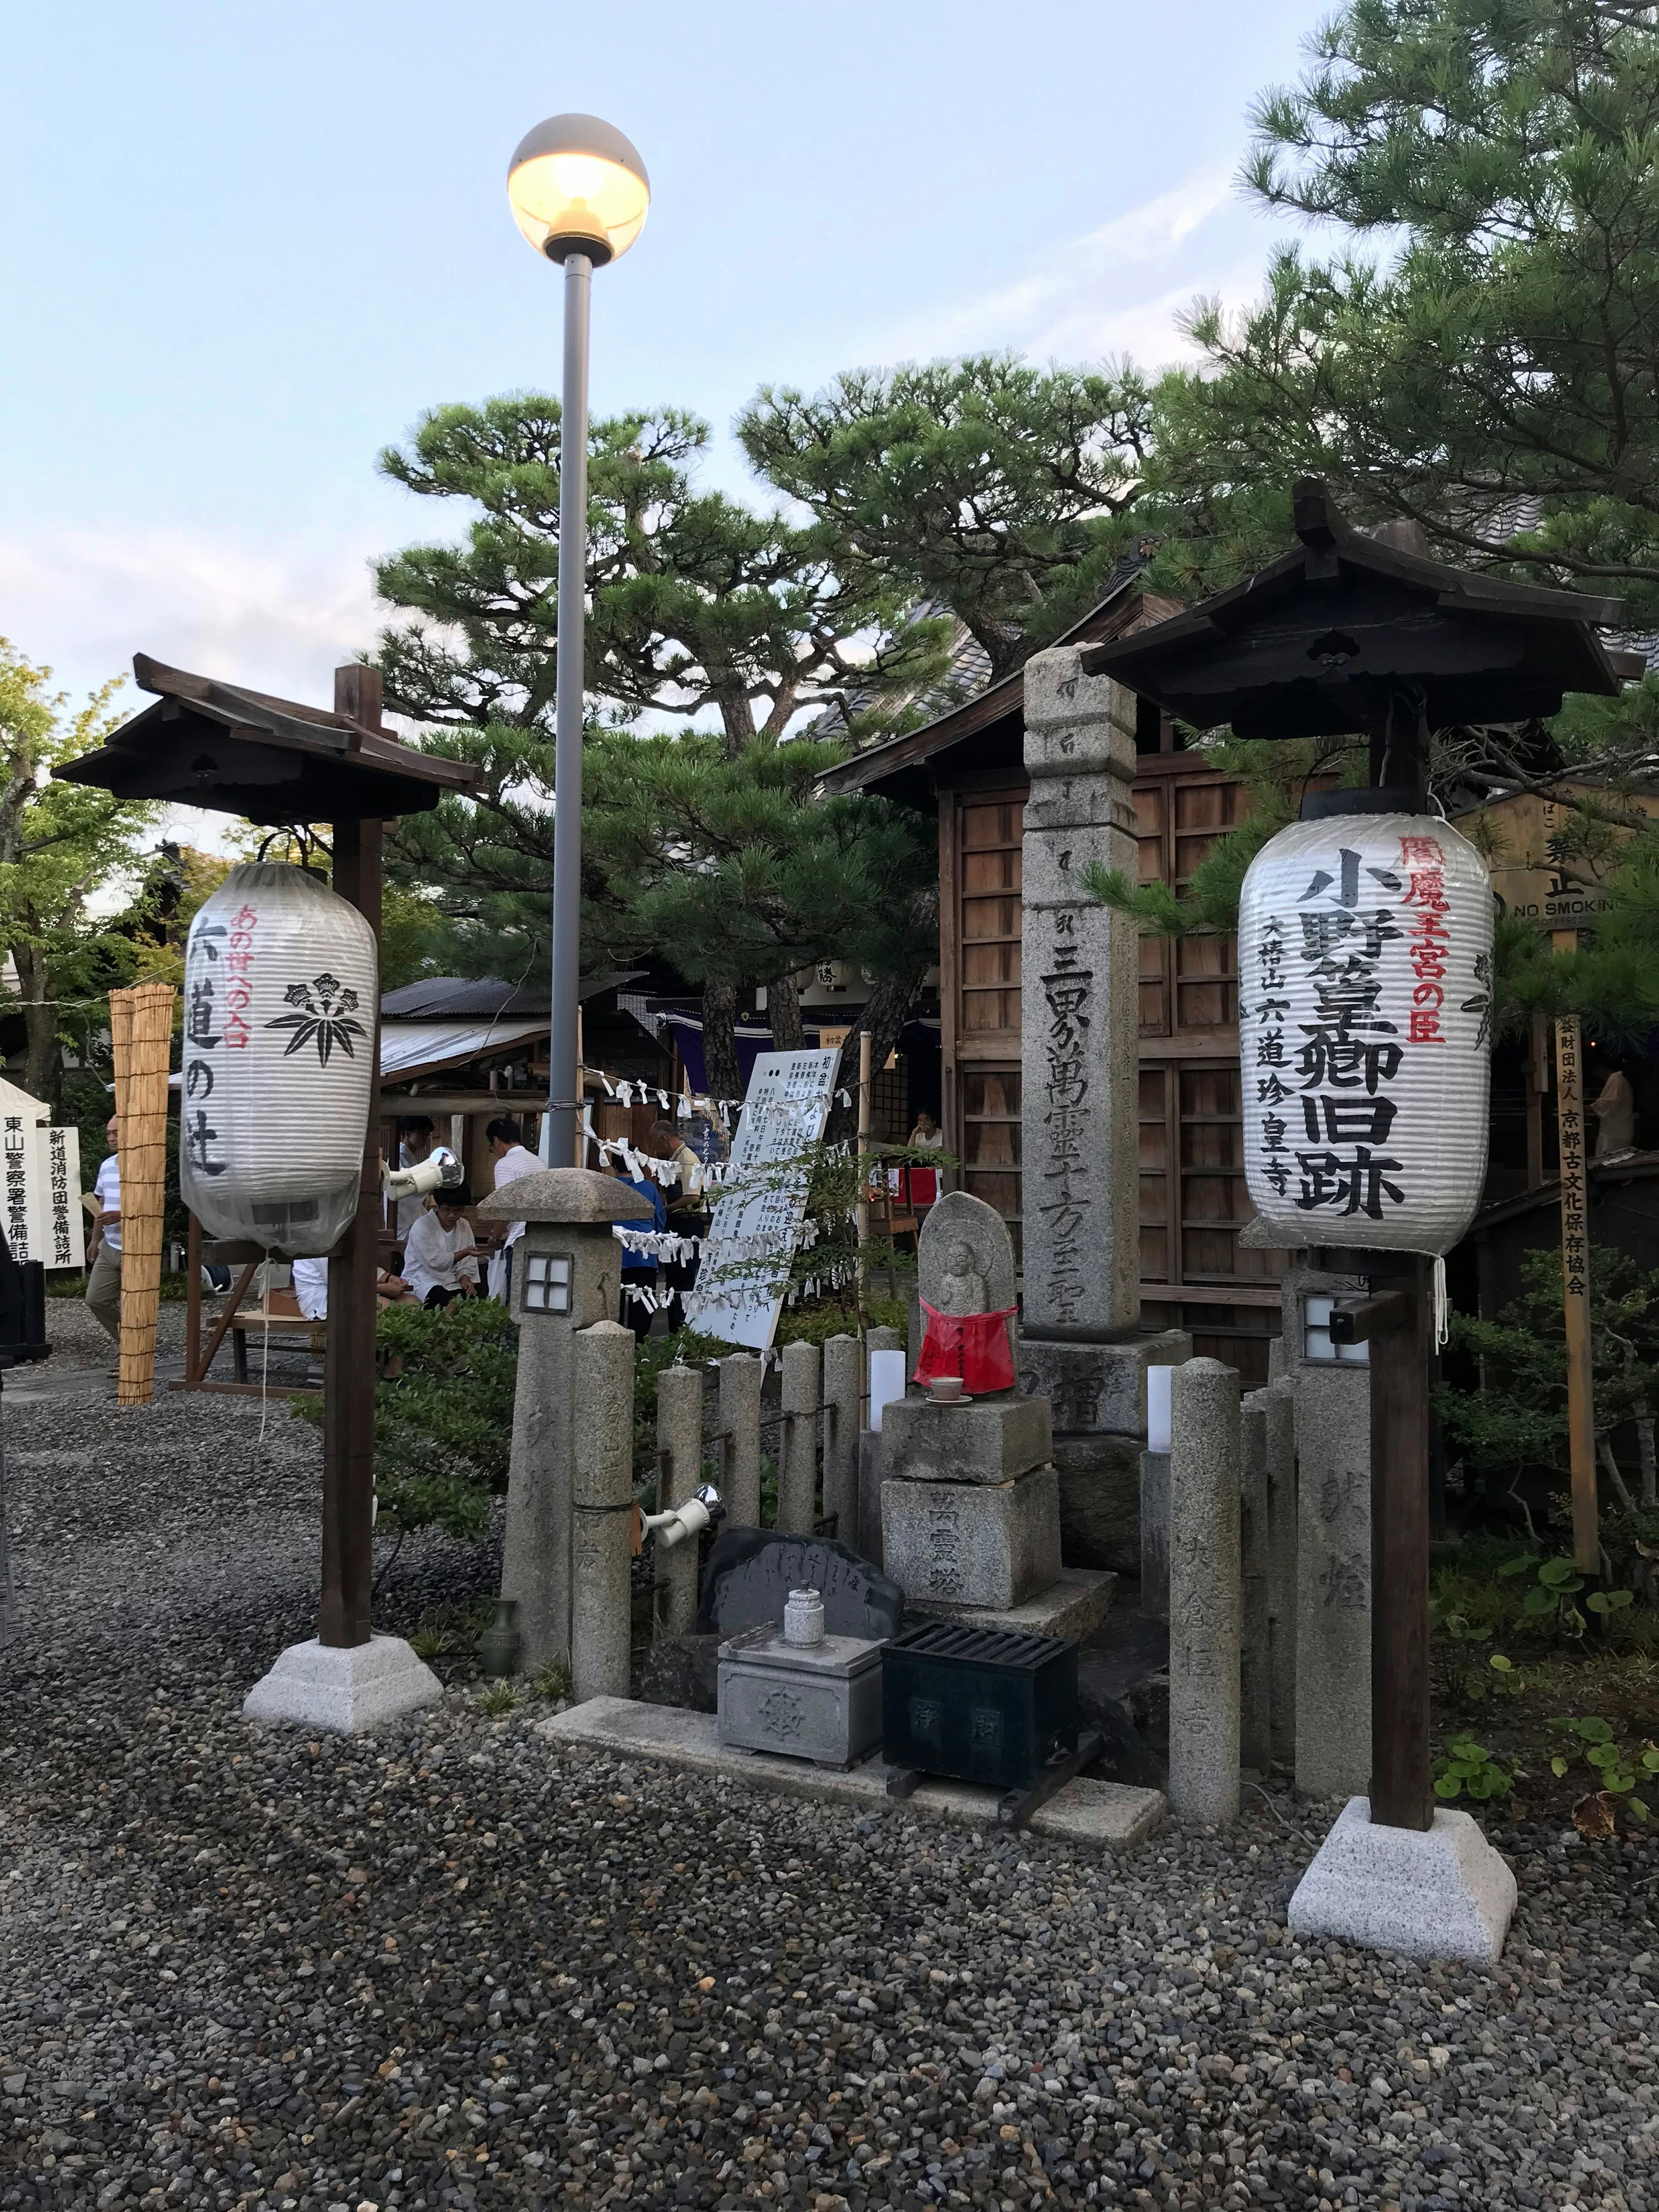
(1479, 354)
(998, 492)
(701, 611)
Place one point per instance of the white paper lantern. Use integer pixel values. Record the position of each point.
(281, 982)
(1364, 1010)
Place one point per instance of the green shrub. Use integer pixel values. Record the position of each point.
(443, 1427)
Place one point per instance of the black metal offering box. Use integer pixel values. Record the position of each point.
(978, 1704)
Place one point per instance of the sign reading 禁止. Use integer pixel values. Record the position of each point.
(1364, 1004)
(758, 1220)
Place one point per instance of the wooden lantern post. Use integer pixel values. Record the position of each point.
(1355, 633)
(280, 763)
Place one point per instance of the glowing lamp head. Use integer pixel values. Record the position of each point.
(578, 187)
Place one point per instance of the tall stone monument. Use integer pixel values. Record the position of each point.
(969, 1503)
(1081, 1344)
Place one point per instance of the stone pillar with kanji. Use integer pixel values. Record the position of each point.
(1081, 1345)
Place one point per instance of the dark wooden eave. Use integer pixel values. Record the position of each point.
(207, 743)
(986, 732)
(1319, 642)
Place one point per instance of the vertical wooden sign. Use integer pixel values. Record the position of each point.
(1575, 1283)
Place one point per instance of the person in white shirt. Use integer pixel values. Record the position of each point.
(440, 1261)
(512, 1159)
(415, 1143)
(104, 1283)
(310, 1289)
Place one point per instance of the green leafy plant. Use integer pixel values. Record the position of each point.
(1617, 1770)
(432, 1642)
(1467, 1767)
(1550, 1600)
(553, 1682)
(498, 1699)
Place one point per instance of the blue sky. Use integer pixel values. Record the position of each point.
(242, 247)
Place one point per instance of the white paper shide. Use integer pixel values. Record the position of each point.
(281, 977)
(1364, 1012)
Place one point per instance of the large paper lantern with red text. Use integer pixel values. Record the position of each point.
(1365, 1014)
(281, 977)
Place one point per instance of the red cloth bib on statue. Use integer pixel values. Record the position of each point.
(973, 1345)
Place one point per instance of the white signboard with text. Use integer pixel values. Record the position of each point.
(41, 1206)
(758, 1220)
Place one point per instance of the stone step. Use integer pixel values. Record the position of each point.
(1099, 1815)
(1070, 1609)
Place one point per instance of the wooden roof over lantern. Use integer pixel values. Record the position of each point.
(1331, 636)
(213, 744)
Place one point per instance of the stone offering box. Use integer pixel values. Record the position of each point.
(978, 1704)
(819, 1701)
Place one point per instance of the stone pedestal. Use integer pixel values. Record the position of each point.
(1281, 1563)
(972, 1544)
(1081, 1234)
(739, 1480)
(1204, 1600)
(976, 1440)
(679, 1463)
(819, 1701)
(1098, 1394)
(600, 1625)
(1440, 1893)
(843, 1369)
(346, 1690)
(1096, 1387)
(1256, 1658)
(798, 1449)
(1333, 1553)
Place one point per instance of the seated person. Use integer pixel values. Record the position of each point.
(440, 1261)
(310, 1289)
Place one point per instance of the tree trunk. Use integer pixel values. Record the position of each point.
(41, 1068)
(884, 1014)
(783, 1012)
(719, 1044)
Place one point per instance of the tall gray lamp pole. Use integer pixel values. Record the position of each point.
(578, 193)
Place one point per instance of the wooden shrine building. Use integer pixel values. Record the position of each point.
(968, 767)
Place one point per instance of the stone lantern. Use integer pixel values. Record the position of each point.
(566, 1275)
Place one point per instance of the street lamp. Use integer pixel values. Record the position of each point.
(578, 193)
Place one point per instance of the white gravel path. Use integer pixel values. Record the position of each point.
(242, 1968)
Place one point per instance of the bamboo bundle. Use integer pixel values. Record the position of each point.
(140, 1027)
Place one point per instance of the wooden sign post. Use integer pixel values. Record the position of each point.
(1574, 1294)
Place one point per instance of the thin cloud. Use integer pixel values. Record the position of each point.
(1108, 291)
(279, 619)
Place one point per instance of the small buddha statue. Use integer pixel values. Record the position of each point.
(962, 1287)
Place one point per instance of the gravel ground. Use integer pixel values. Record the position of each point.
(450, 1968)
(78, 1341)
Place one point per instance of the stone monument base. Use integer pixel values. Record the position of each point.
(974, 1440)
(1100, 1501)
(1069, 1609)
(972, 1543)
(1442, 1893)
(346, 1690)
(1096, 1387)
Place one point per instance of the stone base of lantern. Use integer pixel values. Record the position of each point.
(1439, 1893)
(346, 1692)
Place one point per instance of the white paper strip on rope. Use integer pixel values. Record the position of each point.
(280, 1007)
(1364, 1008)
